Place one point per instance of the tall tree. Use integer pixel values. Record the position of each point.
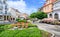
(39, 15)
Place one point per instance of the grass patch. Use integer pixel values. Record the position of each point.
(5, 26)
(30, 32)
(31, 25)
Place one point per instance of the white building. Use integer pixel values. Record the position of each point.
(4, 14)
(56, 10)
(14, 13)
(24, 16)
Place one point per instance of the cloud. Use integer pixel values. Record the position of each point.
(21, 6)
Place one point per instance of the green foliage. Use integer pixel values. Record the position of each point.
(31, 25)
(33, 31)
(5, 27)
(39, 15)
(24, 21)
(19, 20)
(30, 32)
(33, 15)
(1, 28)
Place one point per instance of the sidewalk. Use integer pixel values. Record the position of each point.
(50, 28)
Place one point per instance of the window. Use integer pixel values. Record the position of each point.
(50, 15)
(0, 17)
(5, 12)
(1, 12)
(4, 2)
(6, 7)
(0, 2)
(48, 7)
(56, 16)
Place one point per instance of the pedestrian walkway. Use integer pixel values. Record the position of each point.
(51, 28)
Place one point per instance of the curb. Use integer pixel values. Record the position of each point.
(52, 34)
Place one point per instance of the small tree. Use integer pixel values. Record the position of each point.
(33, 15)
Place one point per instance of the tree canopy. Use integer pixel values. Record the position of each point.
(39, 15)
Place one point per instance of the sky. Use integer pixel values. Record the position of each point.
(26, 6)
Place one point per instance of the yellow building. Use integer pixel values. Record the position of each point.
(48, 6)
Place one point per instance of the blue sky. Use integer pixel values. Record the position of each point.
(26, 6)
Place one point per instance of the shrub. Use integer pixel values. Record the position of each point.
(19, 20)
(31, 25)
(23, 21)
(5, 26)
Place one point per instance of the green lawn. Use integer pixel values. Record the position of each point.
(29, 32)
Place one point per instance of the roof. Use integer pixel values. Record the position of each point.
(52, 1)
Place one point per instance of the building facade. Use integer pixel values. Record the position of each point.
(14, 14)
(40, 9)
(49, 8)
(56, 10)
(55, 13)
(24, 16)
(4, 14)
(7, 14)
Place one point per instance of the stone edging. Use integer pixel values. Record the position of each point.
(53, 35)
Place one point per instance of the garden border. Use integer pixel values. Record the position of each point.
(52, 34)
